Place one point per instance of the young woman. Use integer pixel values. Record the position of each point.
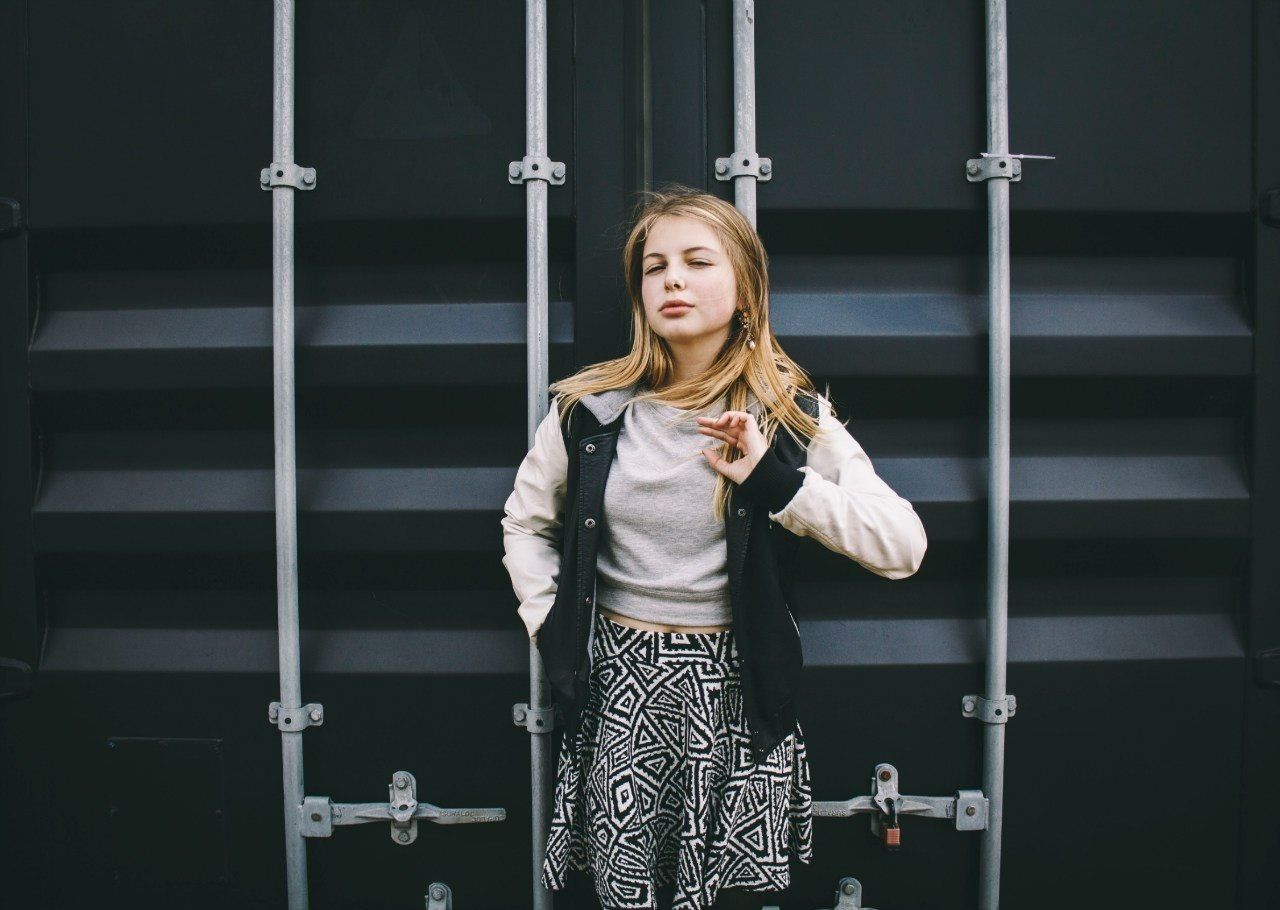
(706, 454)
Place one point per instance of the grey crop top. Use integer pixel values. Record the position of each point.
(662, 555)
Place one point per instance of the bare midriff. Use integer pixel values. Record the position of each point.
(656, 626)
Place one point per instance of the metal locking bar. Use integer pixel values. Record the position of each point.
(319, 814)
(968, 808)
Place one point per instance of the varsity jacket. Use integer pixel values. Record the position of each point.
(826, 490)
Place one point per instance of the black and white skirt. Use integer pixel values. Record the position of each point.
(660, 786)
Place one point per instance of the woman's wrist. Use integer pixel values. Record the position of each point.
(772, 483)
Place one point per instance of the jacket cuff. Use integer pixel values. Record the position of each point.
(772, 483)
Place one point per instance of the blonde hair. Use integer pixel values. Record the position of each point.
(766, 370)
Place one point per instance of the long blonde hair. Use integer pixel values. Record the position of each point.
(773, 377)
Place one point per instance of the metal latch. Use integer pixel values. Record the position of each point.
(402, 809)
(968, 808)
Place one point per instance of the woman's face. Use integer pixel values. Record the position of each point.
(684, 260)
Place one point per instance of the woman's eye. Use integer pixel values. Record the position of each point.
(650, 271)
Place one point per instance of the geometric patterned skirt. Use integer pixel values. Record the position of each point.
(660, 787)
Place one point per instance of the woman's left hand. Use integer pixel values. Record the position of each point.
(738, 428)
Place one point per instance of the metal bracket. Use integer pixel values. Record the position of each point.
(994, 711)
(287, 174)
(848, 895)
(295, 720)
(320, 814)
(744, 164)
(529, 168)
(968, 809)
(991, 165)
(535, 720)
(439, 897)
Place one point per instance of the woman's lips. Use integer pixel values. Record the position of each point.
(676, 309)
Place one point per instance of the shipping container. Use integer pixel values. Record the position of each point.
(139, 607)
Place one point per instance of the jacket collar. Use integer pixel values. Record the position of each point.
(607, 405)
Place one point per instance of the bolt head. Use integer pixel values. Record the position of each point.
(514, 169)
(765, 167)
(437, 894)
(404, 837)
(722, 168)
(401, 783)
(970, 810)
(315, 816)
(315, 716)
(848, 888)
(969, 705)
(972, 167)
(559, 171)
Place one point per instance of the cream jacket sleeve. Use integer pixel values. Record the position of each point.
(838, 499)
(532, 522)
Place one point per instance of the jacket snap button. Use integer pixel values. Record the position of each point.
(590, 522)
(742, 512)
(590, 447)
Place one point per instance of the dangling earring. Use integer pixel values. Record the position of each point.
(746, 327)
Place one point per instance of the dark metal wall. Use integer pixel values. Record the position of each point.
(135, 300)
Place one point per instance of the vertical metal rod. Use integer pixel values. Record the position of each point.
(537, 353)
(286, 485)
(744, 100)
(997, 452)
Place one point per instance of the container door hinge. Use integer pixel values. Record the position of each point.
(295, 720)
(535, 720)
(402, 809)
(286, 173)
(989, 711)
(540, 168)
(991, 165)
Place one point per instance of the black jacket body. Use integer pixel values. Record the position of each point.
(760, 555)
